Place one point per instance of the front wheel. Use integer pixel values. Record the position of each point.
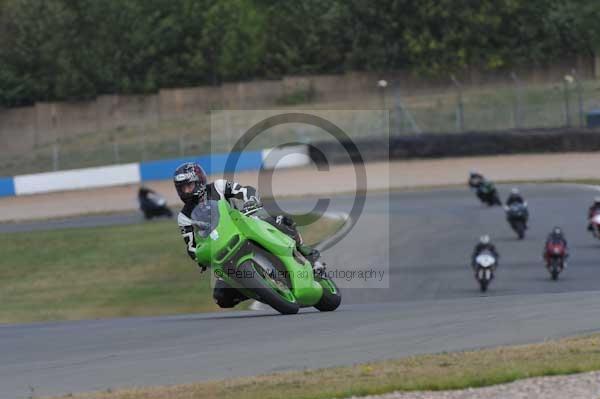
(483, 285)
(520, 229)
(270, 291)
(331, 298)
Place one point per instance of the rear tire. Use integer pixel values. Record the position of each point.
(267, 295)
(329, 300)
(554, 274)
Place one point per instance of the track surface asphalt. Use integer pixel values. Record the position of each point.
(433, 303)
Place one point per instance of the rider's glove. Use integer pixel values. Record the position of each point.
(285, 220)
(252, 202)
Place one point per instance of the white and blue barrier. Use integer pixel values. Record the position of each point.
(134, 173)
(212, 164)
(104, 176)
(285, 157)
(7, 186)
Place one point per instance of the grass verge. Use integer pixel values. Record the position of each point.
(424, 373)
(118, 271)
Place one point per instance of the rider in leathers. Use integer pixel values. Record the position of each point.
(191, 184)
(484, 244)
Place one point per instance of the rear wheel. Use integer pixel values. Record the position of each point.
(331, 298)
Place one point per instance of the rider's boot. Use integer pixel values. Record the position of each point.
(312, 255)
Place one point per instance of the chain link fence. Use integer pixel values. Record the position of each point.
(455, 107)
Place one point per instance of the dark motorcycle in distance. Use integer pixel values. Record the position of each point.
(554, 256)
(595, 225)
(152, 204)
(485, 266)
(517, 216)
(487, 193)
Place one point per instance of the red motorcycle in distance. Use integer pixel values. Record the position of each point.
(554, 256)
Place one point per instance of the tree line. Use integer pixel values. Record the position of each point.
(78, 49)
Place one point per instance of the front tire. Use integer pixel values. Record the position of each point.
(256, 280)
(483, 285)
(331, 298)
(520, 227)
(555, 270)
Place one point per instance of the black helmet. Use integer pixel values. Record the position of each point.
(190, 181)
(557, 231)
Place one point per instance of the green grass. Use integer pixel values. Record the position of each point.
(436, 372)
(120, 271)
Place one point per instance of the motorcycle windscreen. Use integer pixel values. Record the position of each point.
(205, 217)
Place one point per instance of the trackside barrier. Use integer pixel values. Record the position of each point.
(212, 164)
(469, 144)
(133, 173)
(285, 157)
(7, 187)
(104, 176)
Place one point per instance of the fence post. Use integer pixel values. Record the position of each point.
(403, 113)
(382, 84)
(181, 146)
(567, 79)
(116, 152)
(55, 155)
(144, 154)
(518, 100)
(460, 117)
(579, 98)
(397, 121)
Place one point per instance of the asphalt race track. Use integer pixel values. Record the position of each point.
(432, 303)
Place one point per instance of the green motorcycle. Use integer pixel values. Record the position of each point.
(254, 257)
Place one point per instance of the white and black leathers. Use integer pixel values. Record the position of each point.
(219, 189)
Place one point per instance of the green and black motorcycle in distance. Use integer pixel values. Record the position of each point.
(487, 193)
(254, 257)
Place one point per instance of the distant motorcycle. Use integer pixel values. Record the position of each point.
(554, 256)
(517, 216)
(487, 193)
(485, 266)
(595, 224)
(153, 205)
